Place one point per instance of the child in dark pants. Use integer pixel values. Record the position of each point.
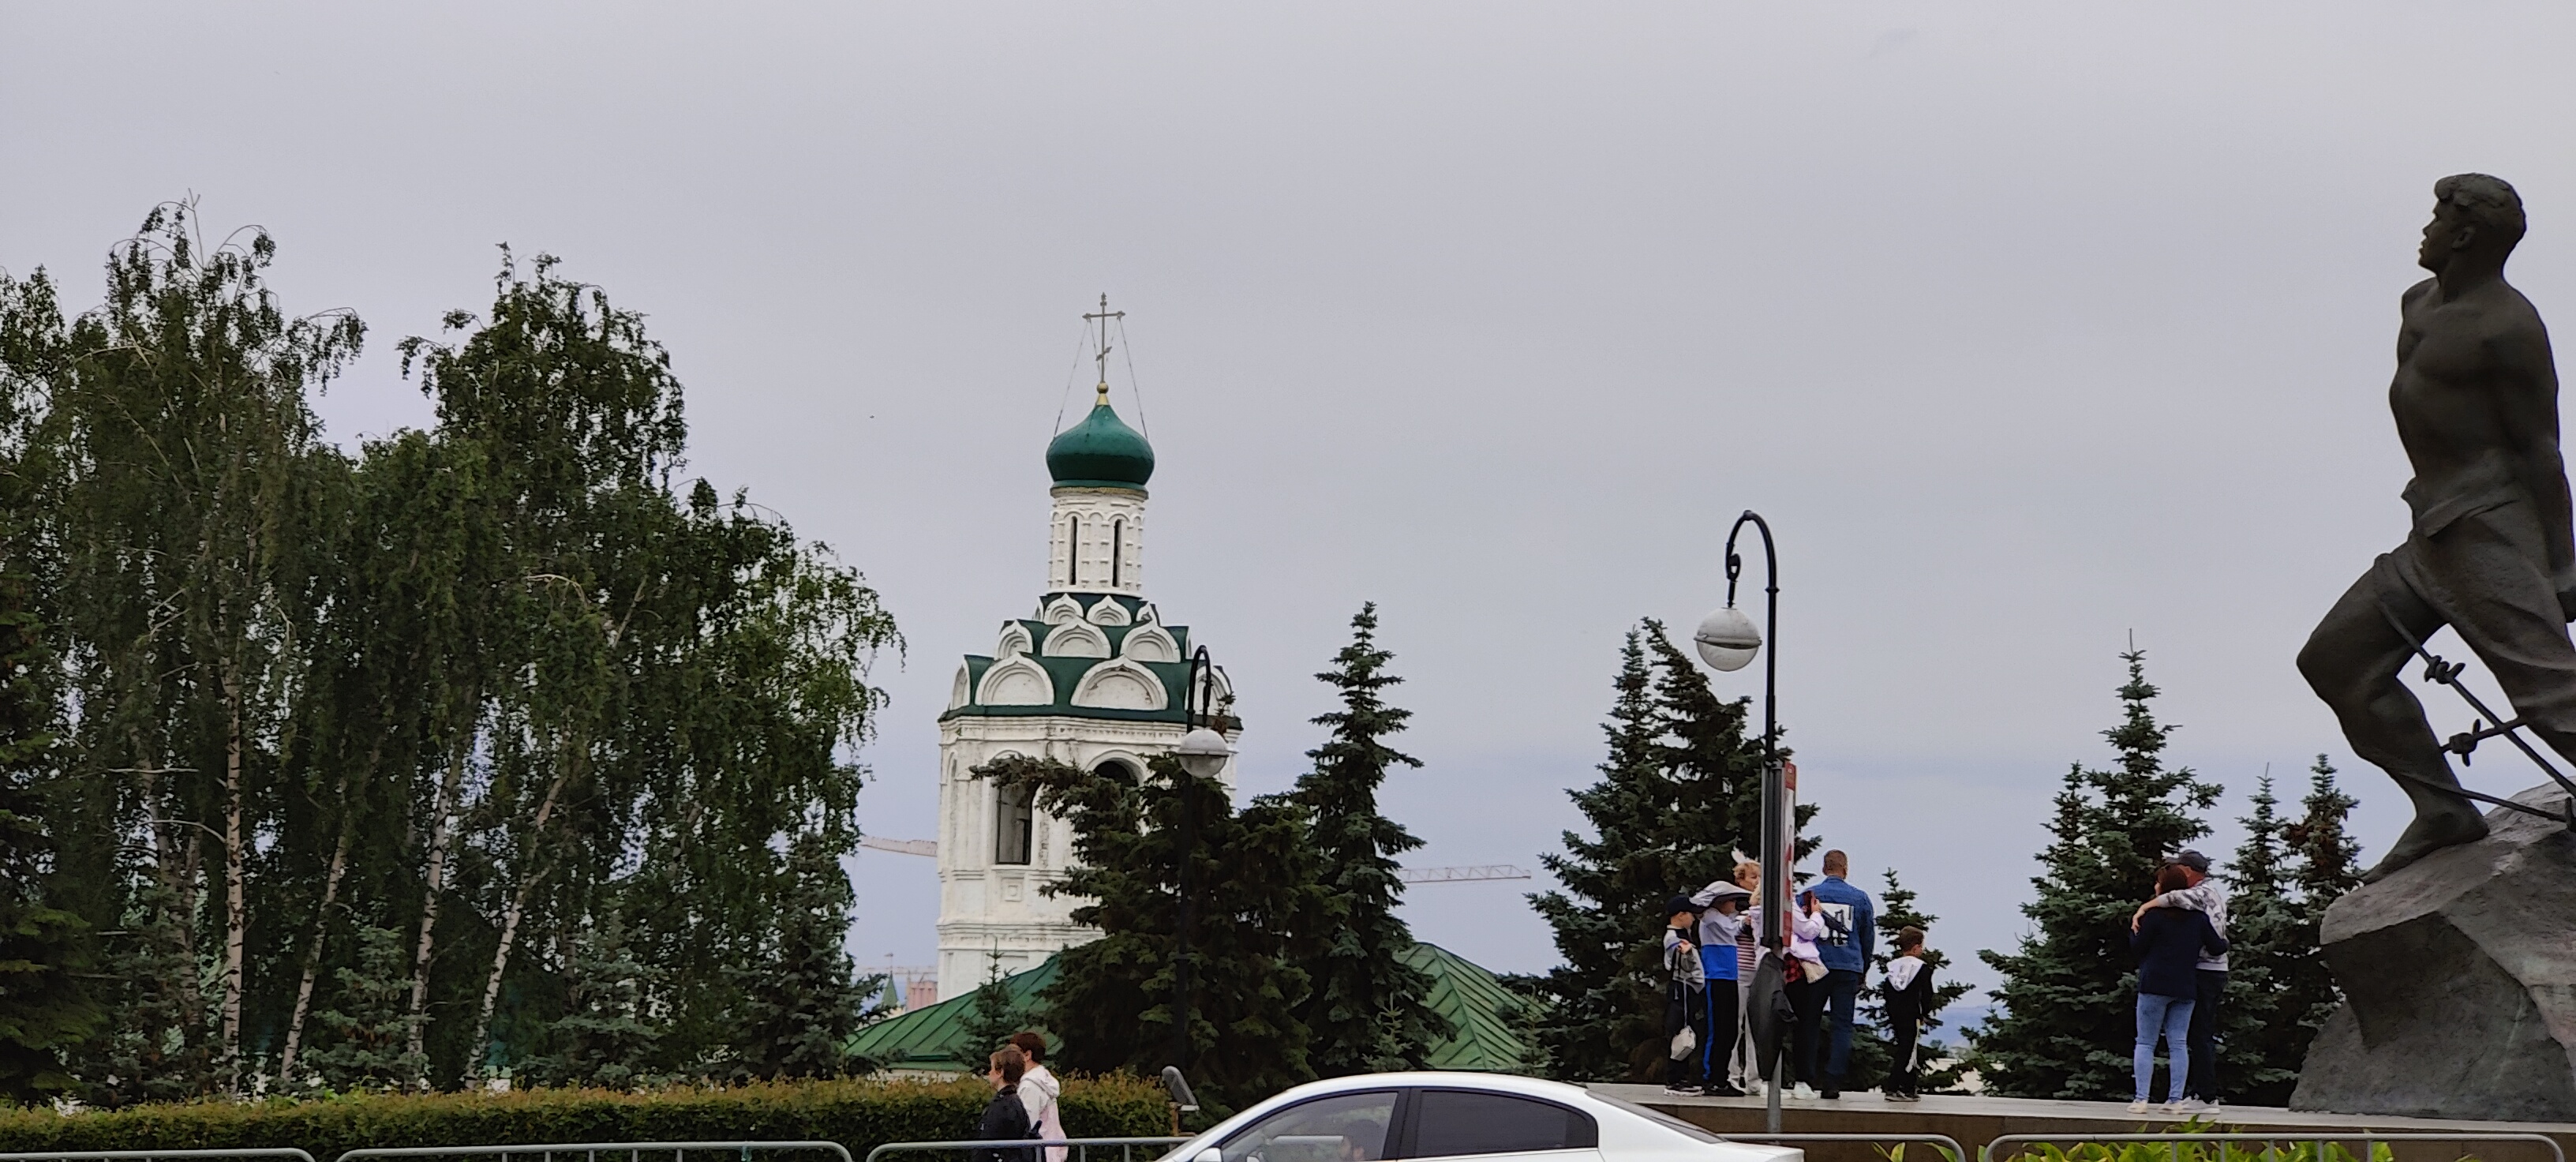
(1685, 996)
(1909, 995)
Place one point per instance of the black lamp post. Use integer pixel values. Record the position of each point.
(1727, 640)
(1202, 753)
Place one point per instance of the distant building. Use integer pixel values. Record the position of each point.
(1094, 677)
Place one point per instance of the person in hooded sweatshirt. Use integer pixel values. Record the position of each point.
(1039, 1090)
(2168, 943)
(1721, 921)
(1005, 1117)
(1909, 996)
(1685, 993)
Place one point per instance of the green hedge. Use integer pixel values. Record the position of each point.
(857, 1114)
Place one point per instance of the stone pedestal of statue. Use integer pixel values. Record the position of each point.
(2459, 977)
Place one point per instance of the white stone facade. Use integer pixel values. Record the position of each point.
(987, 906)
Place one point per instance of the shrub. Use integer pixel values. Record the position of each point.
(859, 1114)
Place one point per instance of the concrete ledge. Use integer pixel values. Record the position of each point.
(1975, 1121)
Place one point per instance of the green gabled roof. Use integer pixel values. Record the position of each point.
(1066, 672)
(934, 1036)
(1484, 1018)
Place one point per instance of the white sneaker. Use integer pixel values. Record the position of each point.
(2137, 1107)
(1802, 1090)
(2190, 1105)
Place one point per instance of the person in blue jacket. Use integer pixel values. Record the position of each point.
(2168, 944)
(1851, 931)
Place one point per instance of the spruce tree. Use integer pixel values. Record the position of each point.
(606, 1035)
(363, 1032)
(1715, 764)
(1666, 817)
(2067, 1017)
(2325, 864)
(2259, 1050)
(1898, 910)
(45, 953)
(804, 1000)
(991, 1018)
(1369, 1010)
(1251, 876)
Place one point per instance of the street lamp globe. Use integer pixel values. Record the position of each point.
(1727, 639)
(1203, 753)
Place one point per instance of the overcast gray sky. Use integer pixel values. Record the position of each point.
(2028, 326)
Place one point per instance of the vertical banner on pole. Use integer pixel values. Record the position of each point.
(1789, 819)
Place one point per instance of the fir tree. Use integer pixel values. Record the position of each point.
(801, 1007)
(1715, 768)
(606, 1036)
(992, 1018)
(1251, 875)
(1897, 910)
(2259, 1051)
(2325, 865)
(1370, 1010)
(364, 1032)
(2067, 1018)
(1666, 816)
(45, 951)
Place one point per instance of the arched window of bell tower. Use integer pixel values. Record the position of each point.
(1117, 551)
(1072, 550)
(1014, 823)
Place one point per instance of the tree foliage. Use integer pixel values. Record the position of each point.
(991, 1018)
(1368, 1010)
(2067, 1021)
(505, 689)
(45, 1005)
(1679, 794)
(2261, 1043)
(1251, 873)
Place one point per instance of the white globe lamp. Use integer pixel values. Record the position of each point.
(1203, 753)
(1727, 639)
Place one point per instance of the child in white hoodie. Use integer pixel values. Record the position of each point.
(1909, 994)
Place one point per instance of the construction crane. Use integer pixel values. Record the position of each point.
(1465, 874)
(1462, 875)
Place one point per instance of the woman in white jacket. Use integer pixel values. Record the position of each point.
(1039, 1090)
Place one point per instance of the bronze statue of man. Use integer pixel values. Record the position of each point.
(2490, 553)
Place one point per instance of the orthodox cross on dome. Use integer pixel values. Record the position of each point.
(1100, 353)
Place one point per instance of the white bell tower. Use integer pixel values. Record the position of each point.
(1093, 677)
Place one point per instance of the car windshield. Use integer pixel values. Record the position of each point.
(1658, 1117)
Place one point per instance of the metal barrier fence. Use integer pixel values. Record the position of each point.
(591, 1151)
(1951, 1150)
(138, 1155)
(1997, 1149)
(1081, 1147)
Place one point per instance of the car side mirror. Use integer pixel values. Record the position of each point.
(1211, 1154)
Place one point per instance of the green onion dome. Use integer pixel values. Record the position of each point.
(1100, 452)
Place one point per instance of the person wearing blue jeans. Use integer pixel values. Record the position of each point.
(2168, 943)
(1851, 930)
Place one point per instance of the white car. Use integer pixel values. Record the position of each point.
(1418, 1117)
